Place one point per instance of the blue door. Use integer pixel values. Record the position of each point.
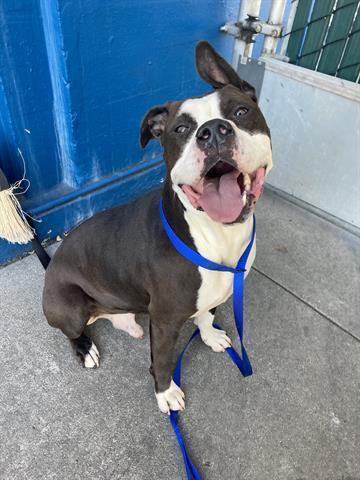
(76, 77)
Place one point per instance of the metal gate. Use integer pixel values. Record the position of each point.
(311, 104)
(325, 37)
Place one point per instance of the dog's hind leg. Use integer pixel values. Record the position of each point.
(122, 321)
(69, 309)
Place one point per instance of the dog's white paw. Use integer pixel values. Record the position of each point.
(172, 399)
(136, 331)
(214, 338)
(92, 358)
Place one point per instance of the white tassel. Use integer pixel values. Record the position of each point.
(13, 224)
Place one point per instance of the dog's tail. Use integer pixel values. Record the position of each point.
(40, 251)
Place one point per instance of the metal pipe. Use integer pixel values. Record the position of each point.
(242, 50)
(275, 18)
(289, 26)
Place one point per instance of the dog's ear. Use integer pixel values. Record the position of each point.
(213, 69)
(153, 124)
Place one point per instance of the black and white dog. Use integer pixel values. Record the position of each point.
(119, 263)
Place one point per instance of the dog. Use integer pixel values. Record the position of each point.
(120, 263)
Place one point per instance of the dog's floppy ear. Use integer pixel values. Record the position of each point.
(213, 69)
(153, 124)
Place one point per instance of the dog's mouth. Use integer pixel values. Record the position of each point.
(224, 192)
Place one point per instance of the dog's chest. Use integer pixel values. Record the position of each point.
(222, 244)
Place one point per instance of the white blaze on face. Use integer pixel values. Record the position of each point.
(189, 166)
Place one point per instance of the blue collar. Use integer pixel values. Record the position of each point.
(243, 362)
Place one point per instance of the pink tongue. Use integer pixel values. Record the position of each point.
(221, 198)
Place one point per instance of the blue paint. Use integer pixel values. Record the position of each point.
(61, 218)
(80, 77)
(7, 139)
(104, 183)
(24, 72)
(60, 92)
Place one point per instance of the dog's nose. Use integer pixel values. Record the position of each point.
(214, 133)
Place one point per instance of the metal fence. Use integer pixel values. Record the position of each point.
(325, 37)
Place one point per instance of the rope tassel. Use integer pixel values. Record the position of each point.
(14, 226)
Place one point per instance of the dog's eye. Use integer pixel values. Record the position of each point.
(241, 111)
(181, 129)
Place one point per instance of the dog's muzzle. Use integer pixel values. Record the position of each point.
(214, 134)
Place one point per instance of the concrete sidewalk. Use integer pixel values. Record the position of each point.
(296, 418)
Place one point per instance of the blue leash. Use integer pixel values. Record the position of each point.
(243, 362)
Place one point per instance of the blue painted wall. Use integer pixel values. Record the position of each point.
(76, 77)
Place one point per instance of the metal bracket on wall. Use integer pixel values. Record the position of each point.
(249, 27)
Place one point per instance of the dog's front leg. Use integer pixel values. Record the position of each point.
(211, 336)
(163, 337)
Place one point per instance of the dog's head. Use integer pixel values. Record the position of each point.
(217, 147)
